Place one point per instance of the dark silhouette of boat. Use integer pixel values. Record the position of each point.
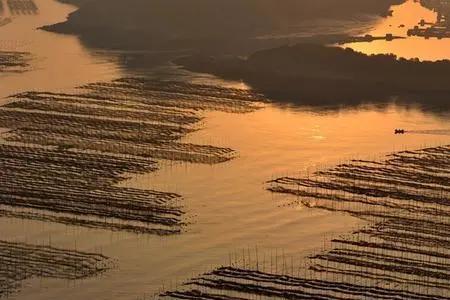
(400, 131)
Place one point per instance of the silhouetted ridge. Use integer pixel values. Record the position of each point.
(313, 74)
(145, 23)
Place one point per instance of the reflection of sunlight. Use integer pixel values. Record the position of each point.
(63, 58)
(404, 17)
(407, 14)
(318, 137)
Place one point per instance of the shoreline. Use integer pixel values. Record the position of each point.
(94, 23)
(323, 75)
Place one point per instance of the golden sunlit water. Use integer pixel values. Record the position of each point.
(224, 199)
(404, 17)
(59, 61)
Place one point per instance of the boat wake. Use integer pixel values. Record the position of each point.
(431, 131)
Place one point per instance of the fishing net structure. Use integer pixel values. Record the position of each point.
(19, 262)
(63, 156)
(402, 253)
(13, 61)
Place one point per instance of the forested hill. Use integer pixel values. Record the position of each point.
(147, 22)
(315, 74)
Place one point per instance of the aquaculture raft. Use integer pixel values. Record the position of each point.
(19, 262)
(64, 154)
(13, 61)
(404, 252)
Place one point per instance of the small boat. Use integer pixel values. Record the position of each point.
(399, 131)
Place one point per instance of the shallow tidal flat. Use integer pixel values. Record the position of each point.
(63, 155)
(13, 61)
(402, 253)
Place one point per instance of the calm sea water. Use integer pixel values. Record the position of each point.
(228, 207)
(405, 17)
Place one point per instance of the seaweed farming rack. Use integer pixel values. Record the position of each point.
(14, 61)
(402, 253)
(64, 154)
(20, 261)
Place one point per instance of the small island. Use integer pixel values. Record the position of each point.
(222, 26)
(317, 74)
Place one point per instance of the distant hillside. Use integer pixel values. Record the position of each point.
(147, 23)
(318, 75)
